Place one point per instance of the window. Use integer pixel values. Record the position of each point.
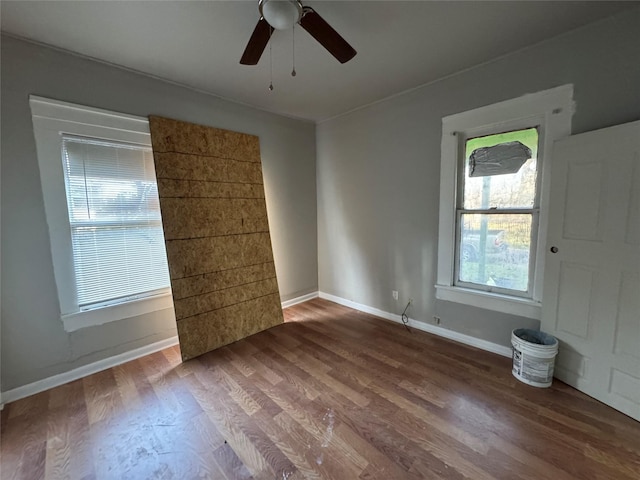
(493, 198)
(114, 215)
(102, 207)
(497, 213)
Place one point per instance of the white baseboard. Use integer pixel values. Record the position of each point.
(300, 299)
(80, 372)
(85, 370)
(100, 365)
(425, 327)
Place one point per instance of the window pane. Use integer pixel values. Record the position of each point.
(494, 250)
(116, 230)
(113, 263)
(506, 190)
(110, 182)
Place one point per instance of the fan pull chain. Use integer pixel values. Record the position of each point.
(271, 61)
(293, 49)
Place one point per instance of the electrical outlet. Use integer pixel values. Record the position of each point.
(410, 300)
(395, 294)
(436, 320)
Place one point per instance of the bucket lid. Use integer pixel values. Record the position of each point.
(535, 336)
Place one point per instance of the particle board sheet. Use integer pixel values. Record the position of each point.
(216, 232)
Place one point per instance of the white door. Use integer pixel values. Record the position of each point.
(591, 299)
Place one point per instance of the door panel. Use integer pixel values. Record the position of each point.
(591, 297)
(582, 210)
(576, 283)
(627, 328)
(632, 236)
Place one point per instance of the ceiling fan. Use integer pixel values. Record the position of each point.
(284, 14)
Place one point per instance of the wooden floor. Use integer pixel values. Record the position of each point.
(332, 393)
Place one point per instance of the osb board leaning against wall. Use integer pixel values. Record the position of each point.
(216, 232)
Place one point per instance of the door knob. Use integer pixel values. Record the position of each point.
(554, 249)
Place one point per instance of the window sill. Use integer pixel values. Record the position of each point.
(112, 313)
(490, 301)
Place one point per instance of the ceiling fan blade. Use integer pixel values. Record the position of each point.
(257, 43)
(326, 35)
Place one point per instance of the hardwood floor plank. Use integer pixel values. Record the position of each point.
(102, 396)
(336, 385)
(239, 395)
(257, 452)
(58, 452)
(289, 372)
(378, 465)
(630, 468)
(238, 361)
(231, 465)
(35, 405)
(445, 448)
(331, 394)
(427, 472)
(256, 394)
(24, 437)
(378, 432)
(430, 393)
(127, 387)
(281, 335)
(433, 420)
(326, 458)
(308, 361)
(287, 445)
(529, 461)
(23, 451)
(265, 372)
(316, 418)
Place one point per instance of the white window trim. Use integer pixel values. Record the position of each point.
(118, 311)
(52, 118)
(552, 110)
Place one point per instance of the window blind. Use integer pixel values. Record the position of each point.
(114, 213)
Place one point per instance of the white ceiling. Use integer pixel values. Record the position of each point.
(400, 45)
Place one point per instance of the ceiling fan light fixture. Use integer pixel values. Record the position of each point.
(281, 14)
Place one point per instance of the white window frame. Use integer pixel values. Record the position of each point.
(551, 111)
(52, 119)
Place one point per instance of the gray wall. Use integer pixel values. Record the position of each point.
(378, 168)
(34, 344)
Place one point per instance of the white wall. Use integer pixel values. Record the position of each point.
(378, 168)
(34, 344)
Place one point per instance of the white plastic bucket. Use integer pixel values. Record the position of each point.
(534, 356)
